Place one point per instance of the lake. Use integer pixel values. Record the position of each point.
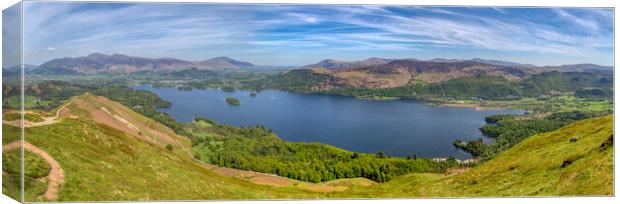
(397, 127)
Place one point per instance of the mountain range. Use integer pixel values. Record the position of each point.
(341, 64)
(15, 70)
(118, 63)
(388, 73)
(122, 64)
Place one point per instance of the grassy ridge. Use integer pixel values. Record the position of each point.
(546, 164)
(97, 158)
(509, 130)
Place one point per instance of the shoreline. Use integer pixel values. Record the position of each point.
(427, 102)
(478, 107)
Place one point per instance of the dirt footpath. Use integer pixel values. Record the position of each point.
(56, 176)
(46, 120)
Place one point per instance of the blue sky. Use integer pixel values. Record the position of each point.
(303, 34)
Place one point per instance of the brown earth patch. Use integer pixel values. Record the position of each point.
(115, 115)
(122, 118)
(358, 78)
(457, 170)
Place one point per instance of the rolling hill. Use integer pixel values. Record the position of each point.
(100, 144)
(15, 70)
(223, 62)
(547, 164)
(123, 64)
(379, 73)
(400, 72)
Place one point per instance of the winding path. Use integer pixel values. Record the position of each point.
(56, 176)
(46, 120)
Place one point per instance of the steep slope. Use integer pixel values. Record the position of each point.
(100, 144)
(103, 164)
(547, 164)
(114, 114)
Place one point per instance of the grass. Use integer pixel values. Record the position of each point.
(553, 104)
(31, 116)
(101, 158)
(13, 102)
(97, 158)
(530, 168)
(105, 164)
(36, 170)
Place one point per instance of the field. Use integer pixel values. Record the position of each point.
(29, 102)
(551, 104)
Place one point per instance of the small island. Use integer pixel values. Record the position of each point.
(253, 94)
(233, 101)
(184, 88)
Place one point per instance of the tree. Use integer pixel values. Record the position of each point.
(380, 154)
(169, 147)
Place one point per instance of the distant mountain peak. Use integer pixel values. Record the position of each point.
(331, 61)
(341, 64)
(225, 62)
(120, 63)
(96, 54)
(222, 58)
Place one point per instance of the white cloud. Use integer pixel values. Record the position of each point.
(585, 23)
(193, 32)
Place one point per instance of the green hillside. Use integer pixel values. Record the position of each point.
(103, 161)
(543, 165)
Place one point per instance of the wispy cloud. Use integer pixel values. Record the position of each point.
(568, 17)
(298, 34)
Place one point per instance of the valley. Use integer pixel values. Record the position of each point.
(199, 130)
(83, 132)
(152, 102)
(344, 122)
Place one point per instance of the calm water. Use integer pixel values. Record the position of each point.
(398, 127)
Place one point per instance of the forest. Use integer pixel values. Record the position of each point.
(584, 85)
(509, 130)
(256, 148)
